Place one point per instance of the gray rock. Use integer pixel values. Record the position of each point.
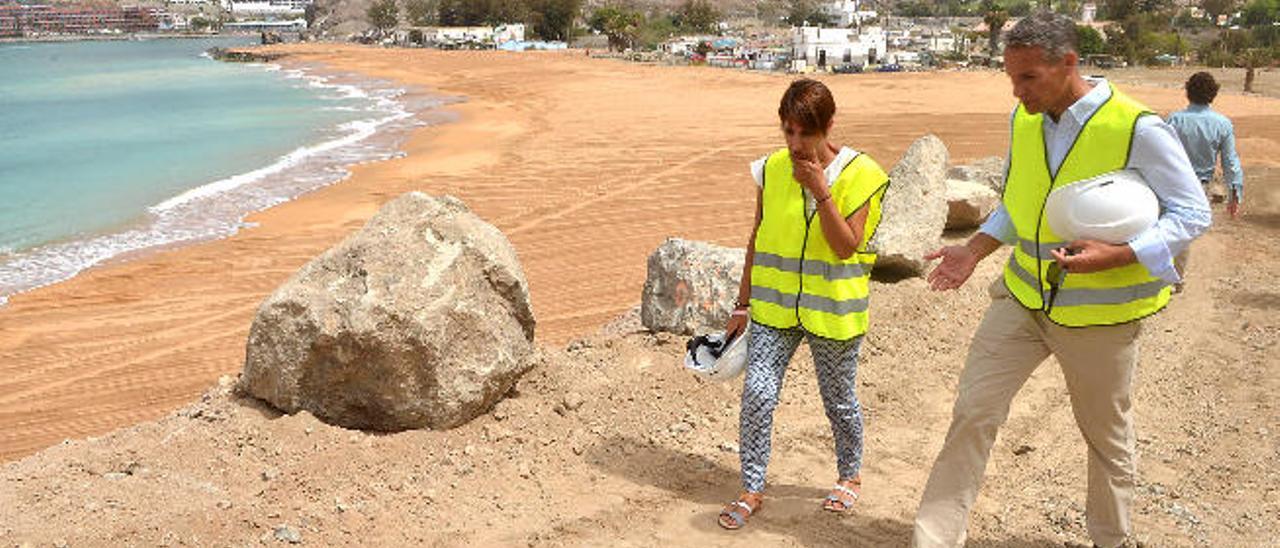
(287, 534)
(969, 203)
(572, 401)
(988, 172)
(419, 319)
(690, 286)
(914, 209)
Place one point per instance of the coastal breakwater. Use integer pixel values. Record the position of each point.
(238, 55)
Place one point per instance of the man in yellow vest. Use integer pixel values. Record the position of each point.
(1080, 301)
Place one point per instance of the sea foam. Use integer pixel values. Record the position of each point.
(217, 209)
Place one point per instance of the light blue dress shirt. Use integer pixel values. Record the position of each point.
(1209, 137)
(1158, 155)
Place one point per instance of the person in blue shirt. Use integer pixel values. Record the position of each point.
(1209, 138)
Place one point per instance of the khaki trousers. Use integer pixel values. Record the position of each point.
(1097, 364)
(1181, 260)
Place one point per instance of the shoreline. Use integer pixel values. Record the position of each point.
(216, 209)
(54, 39)
(585, 166)
(117, 300)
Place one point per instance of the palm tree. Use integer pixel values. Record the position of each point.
(994, 16)
(1251, 59)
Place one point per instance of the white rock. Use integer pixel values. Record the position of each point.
(690, 286)
(420, 319)
(914, 210)
(969, 203)
(988, 172)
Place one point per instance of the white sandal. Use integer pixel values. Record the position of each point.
(847, 504)
(739, 517)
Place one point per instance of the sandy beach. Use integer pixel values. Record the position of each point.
(587, 165)
(594, 160)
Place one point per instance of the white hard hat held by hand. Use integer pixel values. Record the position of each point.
(712, 357)
(1113, 207)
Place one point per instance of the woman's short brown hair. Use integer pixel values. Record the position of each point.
(1202, 88)
(809, 104)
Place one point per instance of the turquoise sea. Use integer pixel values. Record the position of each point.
(113, 147)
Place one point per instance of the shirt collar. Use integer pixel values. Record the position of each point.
(1197, 107)
(1084, 107)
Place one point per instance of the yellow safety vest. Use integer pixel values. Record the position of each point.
(1109, 297)
(796, 278)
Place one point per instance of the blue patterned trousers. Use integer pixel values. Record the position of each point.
(836, 362)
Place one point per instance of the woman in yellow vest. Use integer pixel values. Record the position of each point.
(806, 278)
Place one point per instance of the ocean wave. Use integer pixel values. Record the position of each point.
(217, 209)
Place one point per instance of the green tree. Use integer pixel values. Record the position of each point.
(1019, 8)
(554, 19)
(1240, 48)
(1119, 10)
(994, 16)
(383, 15)
(201, 24)
(421, 13)
(1258, 13)
(656, 30)
(1251, 59)
(696, 16)
(500, 12)
(1214, 8)
(462, 13)
(1089, 41)
(807, 12)
(914, 9)
(621, 25)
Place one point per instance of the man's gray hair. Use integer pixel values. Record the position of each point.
(1055, 33)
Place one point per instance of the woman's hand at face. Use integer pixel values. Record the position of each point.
(809, 172)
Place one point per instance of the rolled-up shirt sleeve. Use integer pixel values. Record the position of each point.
(1231, 172)
(999, 226)
(1184, 211)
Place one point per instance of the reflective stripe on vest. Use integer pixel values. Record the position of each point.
(1113, 296)
(796, 278)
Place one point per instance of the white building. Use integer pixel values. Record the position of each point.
(475, 36)
(294, 25)
(847, 13)
(1088, 12)
(824, 47)
(512, 32)
(174, 21)
(939, 41)
(268, 8)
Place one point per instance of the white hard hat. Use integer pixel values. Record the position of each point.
(712, 357)
(1113, 207)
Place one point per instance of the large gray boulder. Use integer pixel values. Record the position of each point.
(421, 319)
(987, 171)
(969, 203)
(690, 286)
(914, 209)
